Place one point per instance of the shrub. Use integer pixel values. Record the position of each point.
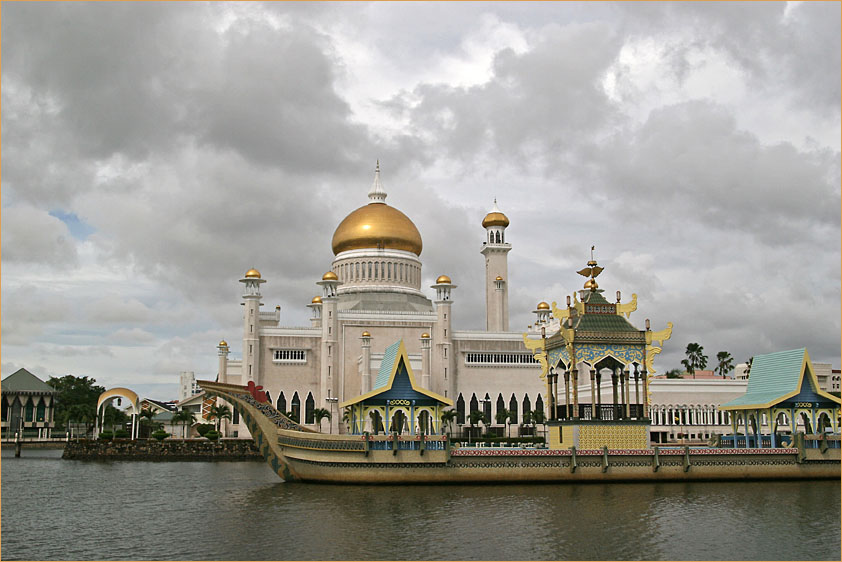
(160, 435)
(203, 428)
(213, 435)
(121, 434)
(106, 436)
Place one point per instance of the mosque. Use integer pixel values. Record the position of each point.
(370, 298)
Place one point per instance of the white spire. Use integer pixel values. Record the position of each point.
(495, 209)
(376, 194)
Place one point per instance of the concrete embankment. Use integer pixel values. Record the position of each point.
(167, 450)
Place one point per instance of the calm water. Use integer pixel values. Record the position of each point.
(54, 509)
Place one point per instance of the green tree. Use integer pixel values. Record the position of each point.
(696, 358)
(71, 391)
(447, 418)
(346, 418)
(219, 412)
(503, 415)
(184, 417)
(673, 374)
(477, 417)
(726, 363)
(748, 366)
(320, 414)
(113, 417)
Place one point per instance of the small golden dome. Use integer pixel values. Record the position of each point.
(223, 343)
(498, 278)
(543, 306)
(425, 335)
(443, 279)
(252, 274)
(591, 284)
(330, 276)
(316, 300)
(495, 218)
(377, 225)
(366, 334)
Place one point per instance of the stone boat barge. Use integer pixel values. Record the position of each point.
(296, 453)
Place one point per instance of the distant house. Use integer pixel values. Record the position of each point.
(28, 405)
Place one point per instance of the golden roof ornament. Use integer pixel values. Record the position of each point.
(591, 271)
(252, 274)
(443, 279)
(495, 217)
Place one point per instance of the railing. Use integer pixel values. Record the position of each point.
(605, 412)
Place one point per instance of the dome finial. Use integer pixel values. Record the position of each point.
(376, 194)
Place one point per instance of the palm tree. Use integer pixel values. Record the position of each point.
(502, 416)
(320, 414)
(537, 417)
(219, 412)
(184, 417)
(447, 418)
(346, 418)
(726, 363)
(696, 359)
(477, 416)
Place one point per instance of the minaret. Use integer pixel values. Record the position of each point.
(316, 306)
(251, 326)
(328, 385)
(442, 378)
(365, 341)
(496, 249)
(426, 380)
(222, 373)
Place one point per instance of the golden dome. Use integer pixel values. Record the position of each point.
(223, 343)
(316, 300)
(495, 218)
(543, 306)
(498, 278)
(252, 274)
(366, 334)
(591, 284)
(330, 276)
(377, 225)
(425, 335)
(443, 279)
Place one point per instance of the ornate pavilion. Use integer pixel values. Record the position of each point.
(783, 392)
(594, 334)
(397, 404)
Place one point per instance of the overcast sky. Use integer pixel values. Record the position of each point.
(153, 152)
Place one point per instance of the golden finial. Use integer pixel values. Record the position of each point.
(591, 271)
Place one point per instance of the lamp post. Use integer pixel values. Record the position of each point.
(331, 401)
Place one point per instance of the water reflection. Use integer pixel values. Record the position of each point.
(240, 511)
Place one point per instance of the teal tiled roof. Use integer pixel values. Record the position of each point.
(773, 376)
(386, 366)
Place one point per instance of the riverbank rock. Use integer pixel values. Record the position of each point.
(166, 450)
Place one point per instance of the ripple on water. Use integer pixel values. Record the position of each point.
(54, 509)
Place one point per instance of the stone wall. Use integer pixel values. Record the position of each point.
(166, 450)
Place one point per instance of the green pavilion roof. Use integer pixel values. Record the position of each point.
(24, 381)
(602, 322)
(775, 377)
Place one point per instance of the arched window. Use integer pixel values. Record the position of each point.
(389, 270)
(460, 409)
(513, 408)
(40, 411)
(474, 405)
(486, 408)
(539, 404)
(309, 406)
(490, 237)
(527, 409)
(501, 404)
(282, 403)
(28, 411)
(369, 270)
(296, 408)
(5, 409)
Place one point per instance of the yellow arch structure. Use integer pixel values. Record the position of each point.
(119, 392)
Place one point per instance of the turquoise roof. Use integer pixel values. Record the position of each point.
(386, 366)
(774, 377)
